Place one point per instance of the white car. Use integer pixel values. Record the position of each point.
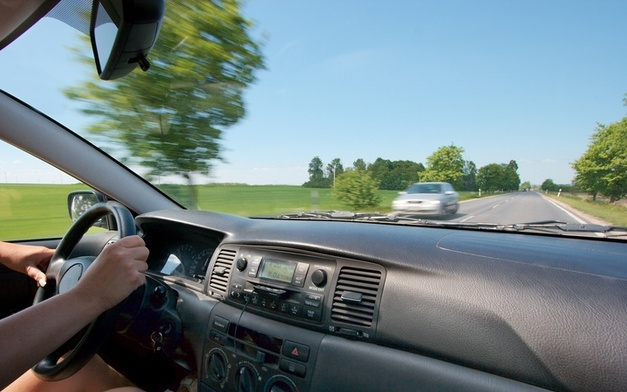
(427, 198)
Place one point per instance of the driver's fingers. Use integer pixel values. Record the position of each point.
(138, 254)
(131, 241)
(36, 274)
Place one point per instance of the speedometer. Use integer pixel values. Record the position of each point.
(199, 263)
(188, 260)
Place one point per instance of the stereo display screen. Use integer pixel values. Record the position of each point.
(274, 269)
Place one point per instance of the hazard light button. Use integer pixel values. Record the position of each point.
(294, 350)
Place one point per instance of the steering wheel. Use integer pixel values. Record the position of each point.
(63, 274)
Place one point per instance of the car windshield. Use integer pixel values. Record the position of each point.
(279, 108)
(425, 188)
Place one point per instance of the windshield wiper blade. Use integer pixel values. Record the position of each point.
(336, 215)
(559, 226)
(347, 216)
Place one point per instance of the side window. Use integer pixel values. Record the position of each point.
(33, 197)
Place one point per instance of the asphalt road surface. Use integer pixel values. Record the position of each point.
(518, 207)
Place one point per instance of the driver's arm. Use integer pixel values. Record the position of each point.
(30, 260)
(28, 336)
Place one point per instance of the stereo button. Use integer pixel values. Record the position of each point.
(313, 314)
(295, 310)
(299, 280)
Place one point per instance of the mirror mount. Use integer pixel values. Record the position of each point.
(122, 34)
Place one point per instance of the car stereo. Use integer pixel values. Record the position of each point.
(292, 285)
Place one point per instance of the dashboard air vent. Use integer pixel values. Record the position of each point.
(355, 296)
(219, 279)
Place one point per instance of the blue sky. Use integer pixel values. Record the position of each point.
(522, 80)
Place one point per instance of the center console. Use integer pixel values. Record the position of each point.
(276, 306)
(247, 353)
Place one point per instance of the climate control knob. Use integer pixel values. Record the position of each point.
(319, 278)
(280, 384)
(247, 379)
(217, 367)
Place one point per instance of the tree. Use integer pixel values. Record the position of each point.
(490, 178)
(525, 185)
(445, 164)
(356, 189)
(359, 164)
(334, 169)
(548, 185)
(469, 179)
(174, 126)
(395, 175)
(511, 179)
(499, 177)
(316, 175)
(603, 167)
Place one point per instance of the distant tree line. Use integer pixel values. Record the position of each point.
(549, 186)
(445, 164)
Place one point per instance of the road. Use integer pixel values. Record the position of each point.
(515, 207)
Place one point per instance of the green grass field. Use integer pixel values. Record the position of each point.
(34, 211)
(40, 211)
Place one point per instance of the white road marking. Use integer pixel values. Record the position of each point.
(575, 217)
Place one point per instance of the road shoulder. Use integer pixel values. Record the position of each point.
(587, 218)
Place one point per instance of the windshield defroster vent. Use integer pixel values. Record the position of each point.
(356, 296)
(219, 279)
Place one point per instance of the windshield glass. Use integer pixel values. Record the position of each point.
(425, 188)
(264, 108)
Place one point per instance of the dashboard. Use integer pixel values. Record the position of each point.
(271, 305)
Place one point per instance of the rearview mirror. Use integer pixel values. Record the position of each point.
(122, 34)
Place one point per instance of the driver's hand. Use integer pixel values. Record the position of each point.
(28, 259)
(116, 272)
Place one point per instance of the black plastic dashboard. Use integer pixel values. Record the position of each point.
(320, 306)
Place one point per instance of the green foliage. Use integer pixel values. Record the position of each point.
(445, 164)
(360, 164)
(548, 185)
(490, 177)
(395, 175)
(317, 178)
(511, 177)
(334, 169)
(469, 179)
(603, 167)
(356, 189)
(174, 126)
(498, 177)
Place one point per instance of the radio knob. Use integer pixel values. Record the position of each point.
(241, 263)
(319, 278)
